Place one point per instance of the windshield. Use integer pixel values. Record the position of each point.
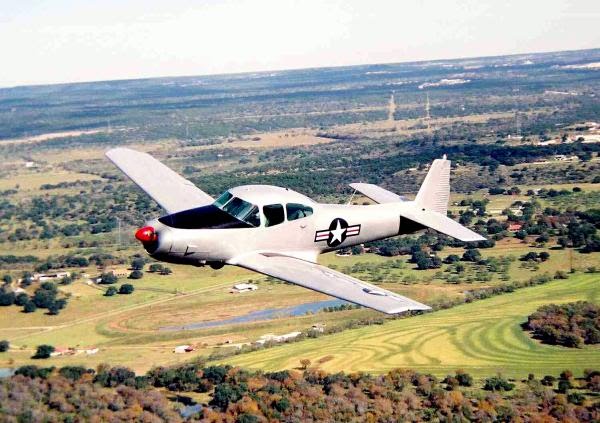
(238, 208)
(223, 199)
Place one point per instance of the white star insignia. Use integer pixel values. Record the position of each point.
(337, 233)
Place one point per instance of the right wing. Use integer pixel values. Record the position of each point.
(169, 189)
(328, 281)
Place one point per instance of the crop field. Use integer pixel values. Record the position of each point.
(483, 338)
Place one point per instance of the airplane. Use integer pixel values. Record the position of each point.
(279, 232)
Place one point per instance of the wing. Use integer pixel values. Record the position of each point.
(377, 194)
(327, 281)
(169, 189)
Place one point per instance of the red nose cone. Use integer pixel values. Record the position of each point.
(146, 234)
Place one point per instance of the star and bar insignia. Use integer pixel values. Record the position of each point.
(337, 233)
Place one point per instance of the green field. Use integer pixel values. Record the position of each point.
(483, 338)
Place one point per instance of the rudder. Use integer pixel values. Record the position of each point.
(434, 193)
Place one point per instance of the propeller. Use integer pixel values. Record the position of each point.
(146, 235)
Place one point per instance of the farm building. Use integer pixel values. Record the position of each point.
(277, 338)
(43, 277)
(243, 287)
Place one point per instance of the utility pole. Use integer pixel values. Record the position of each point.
(391, 107)
(427, 112)
(119, 232)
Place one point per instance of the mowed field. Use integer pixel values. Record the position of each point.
(484, 338)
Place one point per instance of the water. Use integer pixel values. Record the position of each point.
(266, 314)
(6, 372)
(190, 410)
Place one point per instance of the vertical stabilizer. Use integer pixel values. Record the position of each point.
(434, 194)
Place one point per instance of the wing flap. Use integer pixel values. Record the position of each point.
(328, 281)
(377, 194)
(169, 189)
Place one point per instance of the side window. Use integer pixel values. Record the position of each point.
(273, 214)
(253, 217)
(297, 211)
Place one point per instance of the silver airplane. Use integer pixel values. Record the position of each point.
(279, 232)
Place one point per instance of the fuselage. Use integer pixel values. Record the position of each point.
(287, 223)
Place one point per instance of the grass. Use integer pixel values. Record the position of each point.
(483, 338)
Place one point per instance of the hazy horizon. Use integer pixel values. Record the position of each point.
(63, 41)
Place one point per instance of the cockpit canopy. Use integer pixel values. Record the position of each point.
(231, 211)
(272, 214)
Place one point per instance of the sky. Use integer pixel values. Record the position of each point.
(52, 41)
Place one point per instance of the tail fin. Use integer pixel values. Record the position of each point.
(434, 193)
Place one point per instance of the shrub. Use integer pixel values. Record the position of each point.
(4, 346)
(110, 291)
(497, 383)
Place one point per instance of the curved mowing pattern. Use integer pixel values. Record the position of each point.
(483, 338)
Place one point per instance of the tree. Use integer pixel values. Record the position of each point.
(7, 298)
(472, 254)
(108, 278)
(138, 263)
(224, 394)
(305, 363)
(136, 274)
(73, 372)
(7, 279)
(126, 288)
(43, 351)
(29, 307)
(544, 256)
(4, 346)
(110, 291)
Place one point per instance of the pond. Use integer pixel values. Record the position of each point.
(265, 314)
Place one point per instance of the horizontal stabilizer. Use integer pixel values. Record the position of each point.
(169, 189)
(323, 279)
(440, 223)
(377, 194)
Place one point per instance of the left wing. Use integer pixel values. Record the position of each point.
(327, 281)
(169, 189)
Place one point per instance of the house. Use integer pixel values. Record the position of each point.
(318, 327)
(119, 272)
(514, 227)
(182, 349)
(243, 287)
